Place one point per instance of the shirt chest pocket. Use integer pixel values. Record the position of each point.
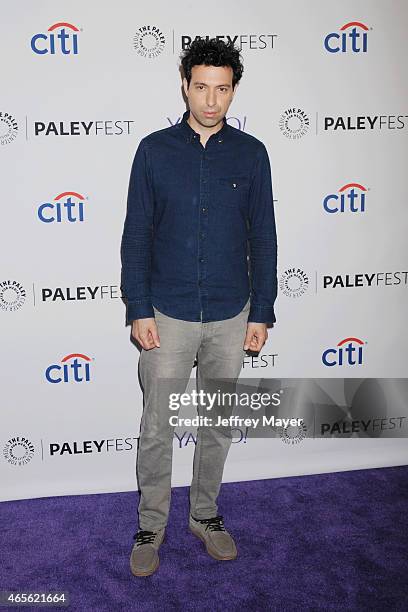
(231, 191)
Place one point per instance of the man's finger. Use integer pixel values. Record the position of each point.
(155, 335)
(255, 343)
(255, 340)
(248, 339)
(145, 340)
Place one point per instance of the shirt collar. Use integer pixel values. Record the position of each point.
(190, 133)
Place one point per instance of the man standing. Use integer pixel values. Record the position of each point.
(200, 194)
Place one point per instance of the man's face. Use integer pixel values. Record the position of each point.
(210, 93)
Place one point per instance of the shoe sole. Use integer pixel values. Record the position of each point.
(149, 573)
(210, 551)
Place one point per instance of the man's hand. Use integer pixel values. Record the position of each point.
(145, 332)
(256, 336)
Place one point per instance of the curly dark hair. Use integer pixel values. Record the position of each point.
(212, 52)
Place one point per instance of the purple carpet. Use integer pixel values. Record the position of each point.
(324, 542)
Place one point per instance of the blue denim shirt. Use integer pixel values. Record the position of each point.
(199, 236)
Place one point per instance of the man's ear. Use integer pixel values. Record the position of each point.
(185, 85)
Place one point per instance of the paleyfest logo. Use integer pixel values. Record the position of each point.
(65, 207)
(360, 123)
(352, 38)
(12, 295)
(103, 127)
(8, 128)
(294, 123)
(248, 42)
(149, 41)
(61, 38)
(366, 280)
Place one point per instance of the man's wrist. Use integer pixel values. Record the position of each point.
(261, 314)
(139, 309)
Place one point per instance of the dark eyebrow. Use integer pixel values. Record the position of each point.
(201, 83)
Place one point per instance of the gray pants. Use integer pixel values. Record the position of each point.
(218, 347)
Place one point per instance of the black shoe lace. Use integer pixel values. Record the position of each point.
(144, 537)
(213, 524)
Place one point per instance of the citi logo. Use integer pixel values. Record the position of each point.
(67, 206)
(73, 368)
(60, 38)
(352, 38)
(347, 352)
(351, 197)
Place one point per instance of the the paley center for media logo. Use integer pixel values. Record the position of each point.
(12, 295)
(294, 123)
(18, 450)
(149, 41)
(8, 128)
(294, 282)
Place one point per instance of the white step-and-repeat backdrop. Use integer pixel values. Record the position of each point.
(325, 88)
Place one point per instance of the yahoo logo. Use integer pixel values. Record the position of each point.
(347, 199)
(345, 353)
(353, 40)
(63, 208)
(65, 41)
(73, 368)
(238, 122)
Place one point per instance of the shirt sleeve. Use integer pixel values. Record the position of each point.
(262, 242)
(137, 238)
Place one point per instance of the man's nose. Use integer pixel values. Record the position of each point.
(211, 98)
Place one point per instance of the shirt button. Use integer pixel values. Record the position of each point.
(203, 209)
(201, 259)
(202, 234)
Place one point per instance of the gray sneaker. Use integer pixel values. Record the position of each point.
(144, 559)
(217, 540)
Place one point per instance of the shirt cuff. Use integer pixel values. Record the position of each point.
(139, 310)
(260, 314)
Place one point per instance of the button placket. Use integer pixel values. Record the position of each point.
(202, 231)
